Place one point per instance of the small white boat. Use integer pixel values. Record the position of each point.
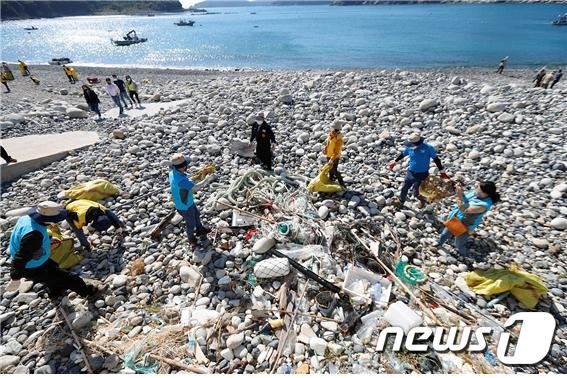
(30, 28)
(60, 61)
(560, 21)
(130, 39)
(184, 23)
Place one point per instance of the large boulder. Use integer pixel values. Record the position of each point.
(76, 113)
(496, 107)
(428, 104)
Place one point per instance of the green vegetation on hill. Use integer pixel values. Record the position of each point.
(13, 10)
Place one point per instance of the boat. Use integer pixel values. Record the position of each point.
(184, 23)
(30, 28)
(130, 39)
(561, 20)
(60, 61)
(197, 10)
(151, 15)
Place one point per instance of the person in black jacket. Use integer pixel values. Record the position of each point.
(123, 93)
(92, 100)
(264, 136)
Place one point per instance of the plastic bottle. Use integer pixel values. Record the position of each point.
(191, 344)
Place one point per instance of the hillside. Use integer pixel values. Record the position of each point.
(14, 10)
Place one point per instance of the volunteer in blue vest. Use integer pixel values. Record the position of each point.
(84, 212)
(420, 153)
(470, 210)
(182, 192)
(29, 251)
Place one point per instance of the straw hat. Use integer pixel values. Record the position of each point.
(179, 160)
(49, 212)
(414, 137)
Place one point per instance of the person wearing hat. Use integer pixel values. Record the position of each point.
(264, 136)
(539, 77)
(333, 149)
(29, 251)
(182, 192)
(84, 212)
(420, 154)
(502, 65)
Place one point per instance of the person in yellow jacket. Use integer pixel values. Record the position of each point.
(85, 212)
(333, 149)
(23, 67)
(71, 74)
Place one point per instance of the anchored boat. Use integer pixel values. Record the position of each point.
(30, 28)
(184, 23)
(60, 61)
(130, 39)
(561, 20)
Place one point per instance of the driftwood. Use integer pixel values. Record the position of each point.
(158, 228)
(77, 340)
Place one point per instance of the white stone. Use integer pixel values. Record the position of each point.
(428, 104)
(495, 107)
(76, 113)
(506, 117)
(227, 354)
(323, 212)
(318, 345)
(331, 326)
(559, 223)
(234, 341)
(119, 280)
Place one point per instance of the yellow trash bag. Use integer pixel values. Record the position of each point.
(93, 190)
(62, 249)
(322, 183)
(525, 287)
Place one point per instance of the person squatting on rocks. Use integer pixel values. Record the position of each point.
(502, 65)
(547, 79)
(539, 77)
(30, 251)
(7, 157)
(470, 210)
(69, 73)
(558, 76)
(333, 149)
(420, 154)
(114, 92)
(23, 67)
(132, 90)
(264, 136)
(123, 93)
(81, 213)
(92, 100)
(182, 189)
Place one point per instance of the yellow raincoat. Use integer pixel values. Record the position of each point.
(93, 190)
(80, 207)
(334, 146)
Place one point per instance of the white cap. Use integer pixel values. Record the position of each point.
(414, 137)
(49, 208)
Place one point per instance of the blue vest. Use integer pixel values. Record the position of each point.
(24, 226)
(472, 200)
(177, 181)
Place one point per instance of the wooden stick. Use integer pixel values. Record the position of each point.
(248, 213)
(77, 340)
(180, 365)
(301, 314)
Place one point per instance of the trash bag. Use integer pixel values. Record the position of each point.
(435, 188)
(527, 288)
(95, 190)
(131, 356)
(62, 248)
(35, 79)
(322, 183)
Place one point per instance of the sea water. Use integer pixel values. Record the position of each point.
(299, 37)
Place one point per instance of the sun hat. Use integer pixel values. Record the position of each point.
(178, 160)
(48, 212)
(414, 137)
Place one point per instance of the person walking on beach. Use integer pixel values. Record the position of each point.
(7, 72)
(264, 136)
(182, 189)
(502, 65)
(132, 90)
(92, 100)
(4, 81)
(70, 73)
(547, 79)
(85, 212)
(558, 76)
(114, 92)
(30, 252)
(333, 149)
(123, 94)
(7, 157)
(539, 77)
(468, 213)
(420, 153)
(23, 68)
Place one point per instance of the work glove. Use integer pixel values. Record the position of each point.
(443, 174)
(15, 274)
(392, 164)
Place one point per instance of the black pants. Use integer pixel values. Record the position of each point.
(57, 279)
(554, 82)
(71, 79)
(334, 174)
(7, 87)
(500, 69)
(264, 153)
(5, 155)
(134, 94)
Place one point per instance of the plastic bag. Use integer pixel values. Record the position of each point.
(322, 183)
(131, 356)
(527, 288)
(95, 190)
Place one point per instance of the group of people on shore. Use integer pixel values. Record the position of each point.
(547, 79)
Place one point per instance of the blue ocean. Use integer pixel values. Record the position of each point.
(301, 37)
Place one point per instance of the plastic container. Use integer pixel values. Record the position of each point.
(301, 252)
(355, 274)
(400, 315)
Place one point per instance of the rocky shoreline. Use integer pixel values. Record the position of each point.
(484, 125)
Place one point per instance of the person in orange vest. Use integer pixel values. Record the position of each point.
(333, 149)
(85, 212)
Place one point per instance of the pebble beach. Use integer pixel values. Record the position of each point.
(485, 126)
